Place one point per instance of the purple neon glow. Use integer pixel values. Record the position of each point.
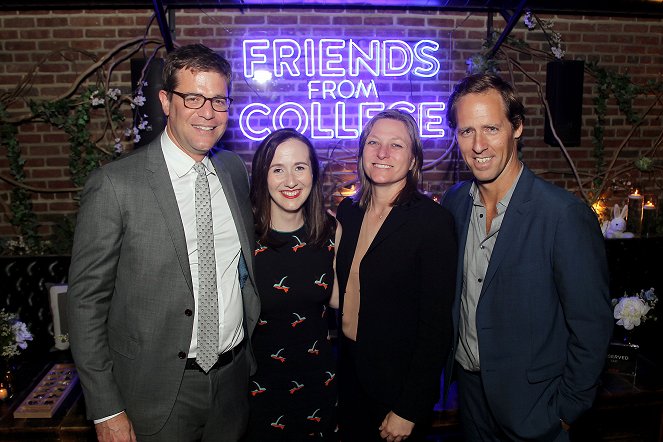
(342, 78)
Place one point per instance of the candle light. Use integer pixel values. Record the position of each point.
(348, 191)
(3, 394)
(601, 210)
(649, 218)
(634, 214)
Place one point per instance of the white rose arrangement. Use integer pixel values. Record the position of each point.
(631, 311)
(14, 335)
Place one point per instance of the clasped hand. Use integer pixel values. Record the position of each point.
(394, 428)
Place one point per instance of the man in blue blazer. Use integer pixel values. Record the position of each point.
(531, 316)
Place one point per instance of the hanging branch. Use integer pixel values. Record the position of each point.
(623, 144)
(546, 106)
(69, 113)
(39, 189)
(618, 85)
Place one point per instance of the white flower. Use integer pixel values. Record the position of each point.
(649, 296)
(142, 125)
(96, 101)
(630, 311)
(529, 20)
(127, 132)
(21, 334)
(113, 94)
(13, 335)
(136, 138)
(558, 52)
(138, 100)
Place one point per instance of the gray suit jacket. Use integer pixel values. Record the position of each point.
(130, 284)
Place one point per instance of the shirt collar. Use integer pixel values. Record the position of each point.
(180, 162)
(504, 202)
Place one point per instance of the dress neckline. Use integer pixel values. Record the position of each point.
(280, 232)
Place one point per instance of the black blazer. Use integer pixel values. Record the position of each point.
(407, 280)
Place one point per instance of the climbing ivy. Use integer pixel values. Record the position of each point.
(23, 217)
(620, 86)
(73, 117)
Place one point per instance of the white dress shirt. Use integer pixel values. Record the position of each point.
(226, 243)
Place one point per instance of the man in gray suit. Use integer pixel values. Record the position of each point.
(135, 293)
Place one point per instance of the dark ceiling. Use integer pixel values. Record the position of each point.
(631, 8)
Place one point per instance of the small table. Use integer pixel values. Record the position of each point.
(68, 424)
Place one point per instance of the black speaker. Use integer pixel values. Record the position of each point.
(152, 107)
(564, 83)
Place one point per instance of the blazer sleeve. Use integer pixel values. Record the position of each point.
(437, 262)
(581, 277)
(95, 254)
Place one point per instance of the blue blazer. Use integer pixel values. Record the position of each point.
(544, 318)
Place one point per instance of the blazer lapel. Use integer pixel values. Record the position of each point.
(396, 218)
(464, 211)
(514, 218)
(159, 181)
(241, 223)
(462, 216)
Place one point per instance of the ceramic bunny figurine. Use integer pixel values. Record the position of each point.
(615, 228)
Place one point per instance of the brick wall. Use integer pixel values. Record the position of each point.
(66, 43)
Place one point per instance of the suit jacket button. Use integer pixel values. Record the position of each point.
(188, 312)
(181, 355)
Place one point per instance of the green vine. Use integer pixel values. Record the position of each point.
(92, 115)
(609, 85)
(23, 217)
(620, 86)
(482, 63)
(73, 117)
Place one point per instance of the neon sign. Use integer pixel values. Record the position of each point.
(341, 86)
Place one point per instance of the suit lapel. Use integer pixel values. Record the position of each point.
(514, 218)
(396, 218)
(242, 224)
(463, 211)
(159, 182)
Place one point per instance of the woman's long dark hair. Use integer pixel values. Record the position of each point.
(319, 225)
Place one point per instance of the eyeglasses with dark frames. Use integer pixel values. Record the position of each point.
(196, 101)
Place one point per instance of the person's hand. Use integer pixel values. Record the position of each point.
(116, 429)
(566, 427)
(394, 428)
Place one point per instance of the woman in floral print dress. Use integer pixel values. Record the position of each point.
(293, 393)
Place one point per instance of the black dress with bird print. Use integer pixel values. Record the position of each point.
(293, 393)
